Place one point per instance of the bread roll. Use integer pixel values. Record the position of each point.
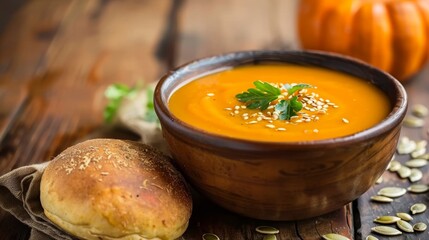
(115, 189)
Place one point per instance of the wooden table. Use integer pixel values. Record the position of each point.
(57, 57)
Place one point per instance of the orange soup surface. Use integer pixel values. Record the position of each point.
(335, 105)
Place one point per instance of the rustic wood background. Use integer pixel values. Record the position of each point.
(57, 57)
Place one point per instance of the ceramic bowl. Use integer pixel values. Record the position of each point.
(274, 180)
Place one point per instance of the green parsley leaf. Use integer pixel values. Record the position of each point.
(259, 97)
(115, 93)
(292, 89)
(288, 108)
(150, 114)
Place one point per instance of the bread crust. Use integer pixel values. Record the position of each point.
(115, 189)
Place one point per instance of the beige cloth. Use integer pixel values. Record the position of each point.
(19, 195)
(131, 114)
(19, 189)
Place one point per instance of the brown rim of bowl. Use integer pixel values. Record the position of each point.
(197, 137)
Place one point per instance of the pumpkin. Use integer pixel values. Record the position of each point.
(392, 35)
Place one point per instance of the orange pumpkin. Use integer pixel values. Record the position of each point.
(392, 35)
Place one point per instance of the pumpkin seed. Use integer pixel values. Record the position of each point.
(404, 216)
(418, 188)
(392, 192)
(418, 152)
(267, 230)
(404, 172)
(388, 231)
(394, 166)
(386, 219)
(421, 144)
(406, 146)
(425, 156)
(370, 237)
(404, 226)
(416, 163)
(270, 237)
(416, 175)
(411, 121)
(334, 236)
(379, 180)
(418, 208)
(420, 227)
(383, 199)
(392, 159)
(210, 236)
(420, 110)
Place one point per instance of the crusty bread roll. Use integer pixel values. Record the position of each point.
(115, 189)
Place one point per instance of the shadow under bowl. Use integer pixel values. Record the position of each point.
(275, 180)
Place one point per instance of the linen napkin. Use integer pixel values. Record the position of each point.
(20, 188)
(19, 195)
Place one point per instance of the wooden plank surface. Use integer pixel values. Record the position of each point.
(61, 55)
(57, 57)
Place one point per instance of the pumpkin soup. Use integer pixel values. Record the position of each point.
(280, 103)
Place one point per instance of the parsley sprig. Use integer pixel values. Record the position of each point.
(265, 93)
(117, 92)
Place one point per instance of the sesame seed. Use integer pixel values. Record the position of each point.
(228, 109)
(345, 120)
(252, 122)
(316, 130)
(270, 126)
(245, 117)
(335, 106)
(281, 129)
(299, 121)
(259, 119)
(237, 107)
(307, 120)
(236, 112)
(243, 106)
(210, 94)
